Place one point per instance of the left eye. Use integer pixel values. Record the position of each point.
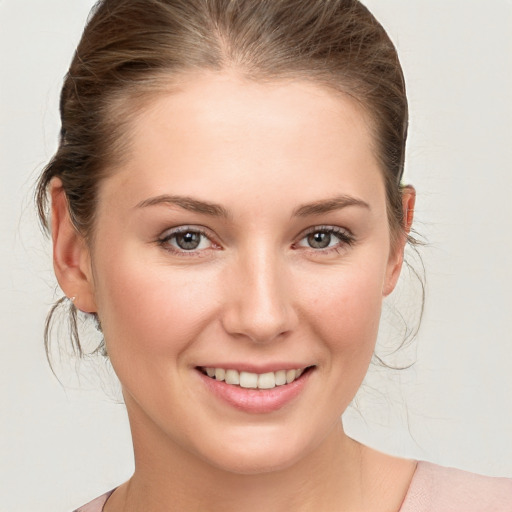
(187, 240)
(325, 239)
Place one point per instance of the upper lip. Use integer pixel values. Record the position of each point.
(256, 368)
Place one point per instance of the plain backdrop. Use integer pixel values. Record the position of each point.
(60, 446)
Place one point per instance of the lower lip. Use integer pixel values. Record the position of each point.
(257, 401)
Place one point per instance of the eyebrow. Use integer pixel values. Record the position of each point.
(329, 205)
(187, 203)
(216, 210)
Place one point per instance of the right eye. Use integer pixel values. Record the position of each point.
(185, 240)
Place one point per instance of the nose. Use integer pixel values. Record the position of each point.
(259, 304)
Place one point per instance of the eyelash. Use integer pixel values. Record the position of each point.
(345, 238)
(164, 241)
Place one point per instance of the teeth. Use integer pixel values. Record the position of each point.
(280, 377)
(232, 377)
(290, 376)
(267, 381)
(254, 380)
(248, 380)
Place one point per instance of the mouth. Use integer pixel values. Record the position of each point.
(249, 380)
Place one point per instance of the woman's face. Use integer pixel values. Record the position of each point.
(247, 231)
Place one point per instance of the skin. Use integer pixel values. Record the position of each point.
(254, 291)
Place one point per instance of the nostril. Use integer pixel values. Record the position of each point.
(258, 326)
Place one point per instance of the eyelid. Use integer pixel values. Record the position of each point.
(326, 228)
(184, 229)
(170, 233)
(345, 236)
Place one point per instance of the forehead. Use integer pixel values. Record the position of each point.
(216, 133)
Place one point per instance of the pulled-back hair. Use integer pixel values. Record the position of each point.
(133, 49)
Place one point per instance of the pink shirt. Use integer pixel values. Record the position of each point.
(433, 489)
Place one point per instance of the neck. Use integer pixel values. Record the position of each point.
(338, 474)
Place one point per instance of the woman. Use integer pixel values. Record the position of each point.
(226, 202)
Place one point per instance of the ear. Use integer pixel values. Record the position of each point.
(396, 256)
(71, 257)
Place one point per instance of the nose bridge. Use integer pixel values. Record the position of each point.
(260, 306)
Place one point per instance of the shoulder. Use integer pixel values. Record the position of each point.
(97, 504)
(444, 489)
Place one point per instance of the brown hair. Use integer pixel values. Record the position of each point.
(131, 49)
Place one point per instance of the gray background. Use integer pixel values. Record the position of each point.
(61, 446)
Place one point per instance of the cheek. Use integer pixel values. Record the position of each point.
(145, 306)
(344, 309)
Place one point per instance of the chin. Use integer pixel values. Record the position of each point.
(257, 453)
(243, 463)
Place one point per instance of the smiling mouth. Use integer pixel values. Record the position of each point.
(250, 380)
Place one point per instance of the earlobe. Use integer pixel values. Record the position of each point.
(397, 255)
(71, 258)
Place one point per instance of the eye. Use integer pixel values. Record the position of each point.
(185, 239)
(319, 240)
(328, 237)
